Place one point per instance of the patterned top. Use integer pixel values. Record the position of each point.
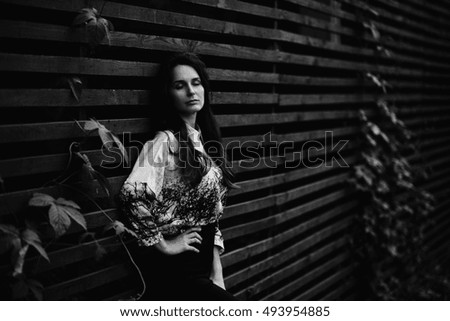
(160, 203)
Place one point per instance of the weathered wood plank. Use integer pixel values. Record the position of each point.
(286, 290)
(71, 255)
(341, 276)
(62, 130)
(58, 33)
(273, 261)
(86, 282)
(280, 199)
(108, 67)
(262, 246)
(112, 97)
(190, 22)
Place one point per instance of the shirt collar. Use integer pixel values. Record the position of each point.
(194, 132)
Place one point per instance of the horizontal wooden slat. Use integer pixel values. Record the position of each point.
(174, 44)
(341, 276)
(112, 97)
(95, 66)
(254, 249)
(160, 17)
(63, 130)
(86, 282)
(308, 277)
(273, 261)
(275, 199)
(74, 254)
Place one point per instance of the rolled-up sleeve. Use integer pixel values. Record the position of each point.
(140, 192)
(218, 239)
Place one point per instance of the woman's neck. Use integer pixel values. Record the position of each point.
(190, 119)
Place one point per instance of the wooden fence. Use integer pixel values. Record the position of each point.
(294, 68)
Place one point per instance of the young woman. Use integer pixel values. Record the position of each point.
(175, 195)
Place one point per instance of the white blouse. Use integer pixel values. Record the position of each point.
(160, 203)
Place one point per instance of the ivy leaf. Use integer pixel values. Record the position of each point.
(10, 237)
(365, 174)
(71, 209)
(97, 27)
(383, 187)
(9, 229)
(76, 86)
(41, 200)
(31, 237)
(107, 137)
(100, 30)
(375, 129)
(385, 51)
(60, 212)
(383, 84)
(373, 29)
(370, 10)
(91, 125)
(85, 15)
(119, 228)
(373, 162)
(59, 220)
(64, 202)
(393, 250)
(89, 173)
(20, 260)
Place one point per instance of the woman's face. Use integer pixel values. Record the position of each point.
(186, 91)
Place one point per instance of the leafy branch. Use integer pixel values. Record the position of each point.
(61, 212)
(107, 137)
(17, 240)
(389, 232)
(96, 29)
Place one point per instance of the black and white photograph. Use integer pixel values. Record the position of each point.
(225, 150)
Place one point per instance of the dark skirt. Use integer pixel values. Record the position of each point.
(181, 277)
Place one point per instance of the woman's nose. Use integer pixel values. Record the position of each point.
(190, 90)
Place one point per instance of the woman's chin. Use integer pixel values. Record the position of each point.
(190, 109)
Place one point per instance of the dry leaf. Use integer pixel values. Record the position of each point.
(97, 27)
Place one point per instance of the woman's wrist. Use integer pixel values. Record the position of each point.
(162, 246)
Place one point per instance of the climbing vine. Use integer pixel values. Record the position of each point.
(389, 231)
(49, 218)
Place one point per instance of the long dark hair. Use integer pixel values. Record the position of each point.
(195, 165)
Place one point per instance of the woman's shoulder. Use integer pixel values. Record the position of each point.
(162, 139)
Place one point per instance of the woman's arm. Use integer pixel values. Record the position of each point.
(216, 271)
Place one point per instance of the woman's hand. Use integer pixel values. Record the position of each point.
(181, 243)
(216, 275)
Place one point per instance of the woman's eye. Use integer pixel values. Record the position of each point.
(197, 83)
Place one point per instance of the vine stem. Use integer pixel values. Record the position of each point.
(103, 6)
(89, 198)
(65, 170)
(144, 285)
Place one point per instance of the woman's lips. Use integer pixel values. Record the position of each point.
(191, 102)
